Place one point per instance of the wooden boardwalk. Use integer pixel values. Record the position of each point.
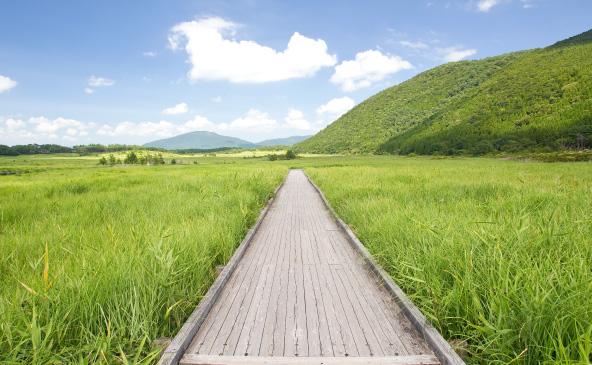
(302, 294)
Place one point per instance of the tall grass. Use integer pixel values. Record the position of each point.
(497, 253)
(97, 263)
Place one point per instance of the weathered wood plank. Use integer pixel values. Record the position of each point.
(250, 334)
(394, 360)
(303, 293)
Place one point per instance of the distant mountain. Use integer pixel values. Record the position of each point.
(199, 140)
(288, 141)
(535, 100)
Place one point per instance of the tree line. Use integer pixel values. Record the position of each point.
(36, 149)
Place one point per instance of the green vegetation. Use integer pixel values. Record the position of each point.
(34, 149)
(290, 155)
(530, 101)
(98, 262)
(493, 252)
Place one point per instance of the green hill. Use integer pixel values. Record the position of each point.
(199, 140)
(537, 100)
(288, 141)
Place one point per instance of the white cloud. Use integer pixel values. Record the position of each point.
(295, 119)
(149, 54)
(13, 130)
(215, 58)
(6, 83)
(453, 54)
(160, 129)
(40, 129)
(254, 121)
(99, 81)
(485, 5)
(46, 126)
(89, 90)
(336, 107)
(13, 125)
(177, 109)
(198, 123)
(415, 45)
(217, 99)
(368, 67)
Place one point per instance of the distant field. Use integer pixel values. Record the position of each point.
(99, 261)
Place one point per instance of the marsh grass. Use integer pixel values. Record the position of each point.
(497, 253)
(97, 263)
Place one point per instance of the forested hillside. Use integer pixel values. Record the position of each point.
(537, 100)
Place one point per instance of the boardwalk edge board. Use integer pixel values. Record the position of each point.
(228, 360)
(434, 339)
(177, 347)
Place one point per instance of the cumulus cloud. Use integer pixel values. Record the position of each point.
(13, 125)
(44, 125)
(89, 90)
(254, 121)
(335, 107)
(295, 119)
(368, 67)
(160, 129)
(177, 109)
(149, 54)
(215, 57)
(99, 81)
(6, 83)
(453, 54)
(198, 123)
(41, 128)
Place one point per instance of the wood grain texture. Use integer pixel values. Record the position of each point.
(301, 291)
(398, 360)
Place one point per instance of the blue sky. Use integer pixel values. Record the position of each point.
(129, 72)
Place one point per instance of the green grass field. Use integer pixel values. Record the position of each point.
(96, 262)
(497, 253)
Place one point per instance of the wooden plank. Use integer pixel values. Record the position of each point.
(238, 309)
(397, 360)
(316, 318)
(264, 345)
(345, 306)
(255, 321)
(281, 313)
(205, 339)
(341, 333)
(289, 331)
(381, 312)
(301, 310)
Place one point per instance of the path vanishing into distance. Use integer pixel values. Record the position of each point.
(297, 291)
